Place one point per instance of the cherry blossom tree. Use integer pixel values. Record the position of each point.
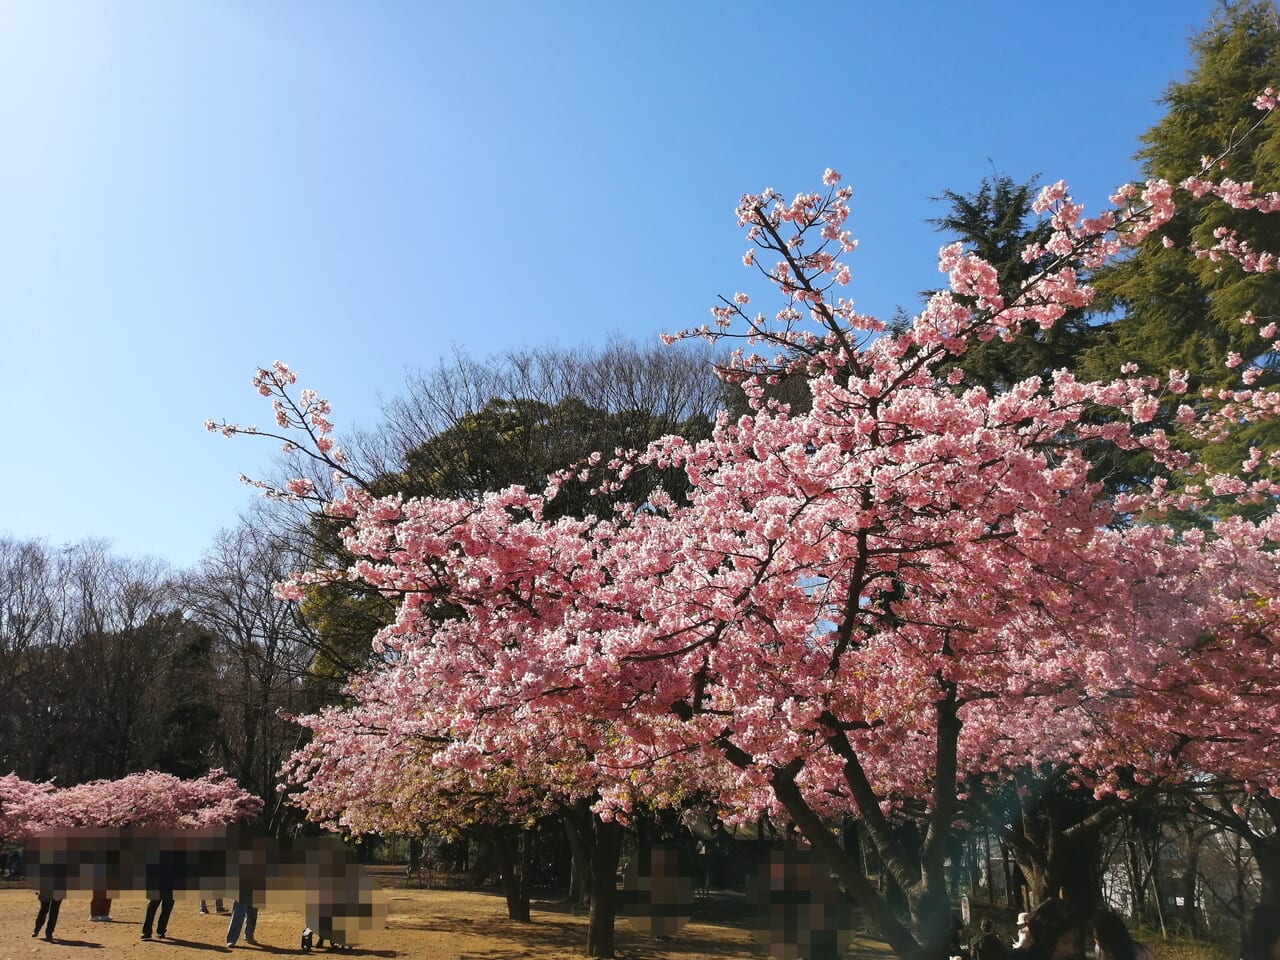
(371, 768)
(17, 796)
(864, 606)
(142, 799)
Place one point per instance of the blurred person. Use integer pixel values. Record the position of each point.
(164, 873)
(1024, 933)
(47, 916)
(243, 913)
(1112, 941)
(988, 945)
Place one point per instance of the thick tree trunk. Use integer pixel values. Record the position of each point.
(580, 863)
(606, 849)
(1070, 871)
(1073, 872)
(528, 839)
(1058, 842)
(509, 845)
(1267, 856)
(1137, 879)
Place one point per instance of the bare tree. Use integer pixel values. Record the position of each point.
(650, 390)
(92, 645)
(263, 650)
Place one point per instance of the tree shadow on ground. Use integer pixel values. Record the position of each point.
(512, 940)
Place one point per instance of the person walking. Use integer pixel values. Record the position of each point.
(164, 873)
(249, 876)
(53, 873)
(243, 913)
(47, 916)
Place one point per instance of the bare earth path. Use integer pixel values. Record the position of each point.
(421, 925)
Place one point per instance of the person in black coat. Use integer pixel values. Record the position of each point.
(53, 872)
(988, 945)
(165, 872)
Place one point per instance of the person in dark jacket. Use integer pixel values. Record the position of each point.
(249, 873)
(988, 945)
(164, 873)
(53, 872)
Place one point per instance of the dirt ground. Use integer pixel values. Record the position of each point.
(421, 924)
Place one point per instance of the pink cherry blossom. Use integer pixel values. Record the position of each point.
(857, 606)
(141, 799)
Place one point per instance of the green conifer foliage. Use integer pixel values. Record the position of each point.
(1171, 309)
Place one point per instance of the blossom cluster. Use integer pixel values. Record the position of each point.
(907, 583)
(305, 425)
(142, 799)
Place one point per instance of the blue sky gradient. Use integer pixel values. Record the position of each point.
(191, 189)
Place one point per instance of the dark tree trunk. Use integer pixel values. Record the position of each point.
(1058, 841)
(528, 838)
(1190, 880)
(606, 849)
(1266, 854)
(580, 862)
(1137, 879)
(1012, 880)
(510, 846)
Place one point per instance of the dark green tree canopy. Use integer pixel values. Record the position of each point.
(1160, 307)
(1170, 309)
(997, 224)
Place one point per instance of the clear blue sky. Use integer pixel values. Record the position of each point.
(190, 189)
